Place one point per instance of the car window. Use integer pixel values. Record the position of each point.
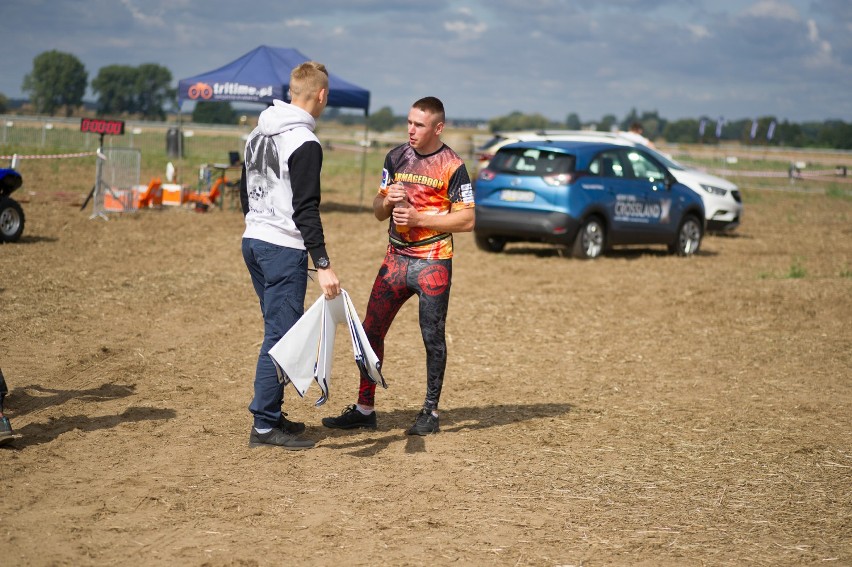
(492, 142)
(643, 167)
(532, 162)
(608, 164)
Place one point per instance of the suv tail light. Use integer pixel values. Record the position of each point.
(484, 157)
(487, 174)
(559, 179)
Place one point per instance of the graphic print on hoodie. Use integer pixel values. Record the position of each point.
(263, 170)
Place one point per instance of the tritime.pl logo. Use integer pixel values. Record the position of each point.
(228, 90)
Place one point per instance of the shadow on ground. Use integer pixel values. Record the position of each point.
(454, 420)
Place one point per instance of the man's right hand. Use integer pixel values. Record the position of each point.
(329, 283)
(396, 195)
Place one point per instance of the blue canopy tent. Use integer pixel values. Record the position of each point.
(263, 75)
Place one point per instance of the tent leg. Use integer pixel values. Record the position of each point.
(364, 149)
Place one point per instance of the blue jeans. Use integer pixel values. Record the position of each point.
(280, 279)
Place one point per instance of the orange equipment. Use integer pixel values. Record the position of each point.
(152, 196)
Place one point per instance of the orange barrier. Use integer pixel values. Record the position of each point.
(152, 196)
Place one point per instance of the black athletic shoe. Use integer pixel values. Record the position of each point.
(351, 418)
(278, 438)
(6, 434)
(291, 427)
(425, 424)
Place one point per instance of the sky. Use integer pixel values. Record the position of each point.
(790, 59)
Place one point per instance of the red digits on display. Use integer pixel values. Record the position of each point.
(98, 126)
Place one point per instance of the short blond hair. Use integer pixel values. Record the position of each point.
(307, 79)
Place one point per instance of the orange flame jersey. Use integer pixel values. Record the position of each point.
(435, 184)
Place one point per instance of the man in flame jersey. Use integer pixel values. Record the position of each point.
(427, 195)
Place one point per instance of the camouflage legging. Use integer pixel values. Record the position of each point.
(399, 278)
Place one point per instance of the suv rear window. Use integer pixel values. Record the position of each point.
(532, 162)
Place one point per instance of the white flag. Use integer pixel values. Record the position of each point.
(304, 355)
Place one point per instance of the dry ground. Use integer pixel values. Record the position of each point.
(640, 409)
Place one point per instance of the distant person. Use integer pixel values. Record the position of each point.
(6, 433)
(426, 193)
(637, 134)
(280, 197)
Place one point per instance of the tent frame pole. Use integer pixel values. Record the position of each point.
(364, 149)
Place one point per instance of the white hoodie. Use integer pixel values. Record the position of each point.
(281, 130)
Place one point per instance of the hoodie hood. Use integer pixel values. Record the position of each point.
(282, 116)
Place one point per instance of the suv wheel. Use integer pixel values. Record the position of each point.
(590, 240)
(11, 220)
(489, 243)
(688, 237)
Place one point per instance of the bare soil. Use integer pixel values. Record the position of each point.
(640, 409)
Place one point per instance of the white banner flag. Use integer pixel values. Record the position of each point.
(304, 354)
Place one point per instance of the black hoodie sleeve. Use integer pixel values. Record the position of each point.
(305, 164)
(244, 192)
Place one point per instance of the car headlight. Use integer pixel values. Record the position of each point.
(714, 190)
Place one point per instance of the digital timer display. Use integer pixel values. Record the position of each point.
(101, 126)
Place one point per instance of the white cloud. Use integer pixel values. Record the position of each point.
(141, 17)
(824, 47)
(297, 23)
(774, 9)
(698, 32)
(472, 30)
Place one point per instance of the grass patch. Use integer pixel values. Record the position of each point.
(837, 192)
(797, 270)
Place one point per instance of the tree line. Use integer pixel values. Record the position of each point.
(765, 130)
(58, 82)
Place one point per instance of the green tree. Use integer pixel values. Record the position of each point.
(57, 80)
(152, 91)
(4, 104)
(115, 86)
(684, 131)
(607, 122)
(518, 121)
(140, 90)
(789, 134)
(572, 122)
(836, 134)
(208, 112)
(382, 120)
(629, 119)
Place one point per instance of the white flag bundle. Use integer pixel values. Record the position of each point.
(304, 354)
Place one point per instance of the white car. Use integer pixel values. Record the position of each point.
(723, 204)
(487, 150)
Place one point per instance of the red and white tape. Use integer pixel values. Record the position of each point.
(52, 156)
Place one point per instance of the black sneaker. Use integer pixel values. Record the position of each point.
(425, 424)
(278, 438)
(6, 434)
(291, 427)
(350, 419)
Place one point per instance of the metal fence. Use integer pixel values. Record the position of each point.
(118, 181)
(172, 139)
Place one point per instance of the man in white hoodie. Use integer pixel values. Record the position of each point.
(280, 196)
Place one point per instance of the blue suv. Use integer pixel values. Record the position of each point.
(588, 195)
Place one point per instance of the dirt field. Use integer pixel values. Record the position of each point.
(640, 409)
